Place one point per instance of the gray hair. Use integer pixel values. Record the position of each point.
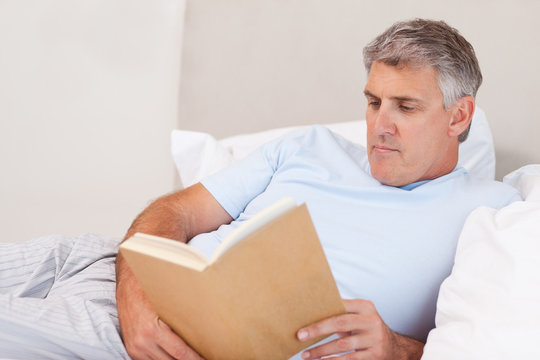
(422, 42)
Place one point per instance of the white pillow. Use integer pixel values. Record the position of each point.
(489, 307)
(526, 179)
(198, 154)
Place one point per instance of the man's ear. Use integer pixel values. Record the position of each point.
(462, 113)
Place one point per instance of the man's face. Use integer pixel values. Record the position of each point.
(407, 125)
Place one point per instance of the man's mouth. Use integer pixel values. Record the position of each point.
(383, 149)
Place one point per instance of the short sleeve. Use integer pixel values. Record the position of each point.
(235, 186)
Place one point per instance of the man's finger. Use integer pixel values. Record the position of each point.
(173, 345)
(332, 325)
(354, 343)
(359, 306)
(158, 353)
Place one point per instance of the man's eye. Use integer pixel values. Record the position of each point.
(406, 108)
(374, 104)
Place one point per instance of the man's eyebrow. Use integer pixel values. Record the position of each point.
(369, 94)
(407, 99)
(397, 98)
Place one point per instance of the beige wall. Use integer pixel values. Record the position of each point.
(255, 64)
(88, 97)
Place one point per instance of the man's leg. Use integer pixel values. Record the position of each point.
(57, 299)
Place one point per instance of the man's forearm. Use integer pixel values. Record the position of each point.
(179, 216)
(160, 218)
(164, 217)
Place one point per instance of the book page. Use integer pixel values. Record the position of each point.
(256, 222)
(167, 249)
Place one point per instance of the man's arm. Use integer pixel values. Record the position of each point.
(179, 216)
(362, 335)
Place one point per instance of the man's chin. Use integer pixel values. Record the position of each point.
(391, 182)
(387, 177)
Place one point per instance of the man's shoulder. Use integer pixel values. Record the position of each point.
(319, 133)
(494, 193)
(471, 191)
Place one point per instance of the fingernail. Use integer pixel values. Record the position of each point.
(305, 355)
(302, 335)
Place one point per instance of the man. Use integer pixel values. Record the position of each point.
(388, 216)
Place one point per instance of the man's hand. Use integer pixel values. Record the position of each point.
(145, 335)
(362, 335)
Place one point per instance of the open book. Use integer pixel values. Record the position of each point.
(266, 280)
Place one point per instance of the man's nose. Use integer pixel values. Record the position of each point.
(383, 122)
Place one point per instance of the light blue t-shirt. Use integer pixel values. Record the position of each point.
(393, 246)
